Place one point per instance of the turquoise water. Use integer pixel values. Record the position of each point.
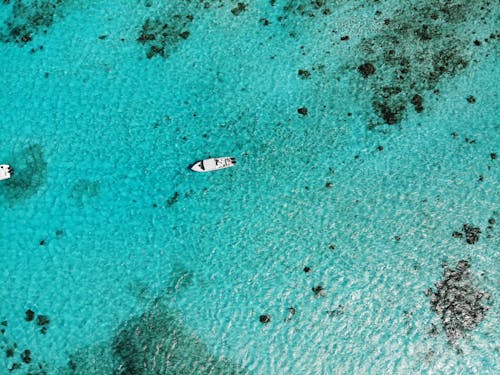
(143, 266)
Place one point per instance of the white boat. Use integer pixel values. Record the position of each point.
(6, 171)
(213, 164)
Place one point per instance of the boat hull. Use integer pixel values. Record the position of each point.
(5, 171)
(213, 164)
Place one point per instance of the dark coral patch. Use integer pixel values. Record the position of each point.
(264, 22)
(28, 18)
(293, 14)
(240, 7)
(390, 110)
(42, 320)
(302, 111)
(366, 69)
(184, 34)
(9, 352)
(305, 9)
(469, 232)
(417, 102)
(265, 318)
(339, 310)
(318, 290)
(458, 302)
(173, 199)
(29, 315)
(418, 47)
(161, 37)
(26, 356)
(304, 74)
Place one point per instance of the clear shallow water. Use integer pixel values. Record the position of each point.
(101, 146)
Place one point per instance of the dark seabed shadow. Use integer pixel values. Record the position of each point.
(30, 174)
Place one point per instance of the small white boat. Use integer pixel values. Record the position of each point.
(6, 171)
(213, 164)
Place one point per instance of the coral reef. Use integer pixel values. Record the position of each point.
(458, 302)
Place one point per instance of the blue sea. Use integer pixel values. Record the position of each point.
(357, 234)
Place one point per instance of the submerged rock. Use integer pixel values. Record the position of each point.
(458, 302)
